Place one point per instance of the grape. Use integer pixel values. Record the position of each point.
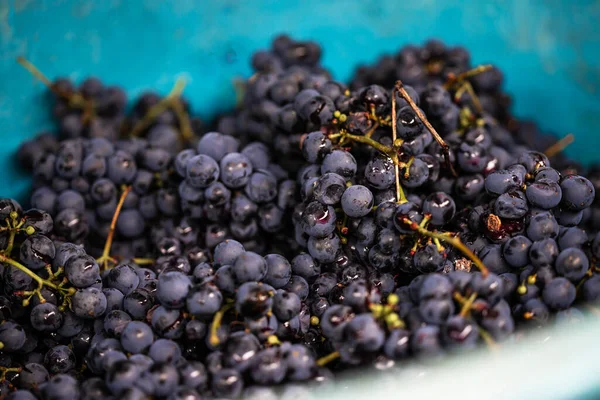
(578, 192)
(235, 170)
(164, 351)
(46, 317)
(201, 171)
(318, 220)
(173, 287)
(572, 263)
(248, 267)
(204, 300)
(12, 336)
(544, 193)
(559, 294)
(441, 207)
(516, 251)
(136, 337)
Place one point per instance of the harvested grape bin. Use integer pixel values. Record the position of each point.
(228, 199)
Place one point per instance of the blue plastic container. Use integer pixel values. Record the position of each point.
(549, 51)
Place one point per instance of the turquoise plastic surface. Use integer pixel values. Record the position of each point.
(549, 50)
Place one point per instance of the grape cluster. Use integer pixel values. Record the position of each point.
(318, 227)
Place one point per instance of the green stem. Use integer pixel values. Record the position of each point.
(214, 336)
(328, 358)
(373, 143)
(454, 241)
(27, 271)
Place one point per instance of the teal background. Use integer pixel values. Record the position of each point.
(549, 50)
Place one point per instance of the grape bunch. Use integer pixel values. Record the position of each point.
(318, 227)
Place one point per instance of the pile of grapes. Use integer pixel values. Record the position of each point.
(317, 227)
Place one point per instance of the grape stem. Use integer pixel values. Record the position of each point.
(183, 117)
(214, 336)
(453, 79)
(559, 146)
(75, 99)
(488, 339)
(445, 148)
(328, 358)
(143, 261)
(4, 370)
(158, 108)
(452, 240)
(400, 195)
(105, 258)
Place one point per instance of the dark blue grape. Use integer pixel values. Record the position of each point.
(460, 333)
(163, 377)
(268, 367)
(124, 278)
(541, 226)
(12, 336)
(258, 154)
(542, 253)
(426, 341)
(138, 303)
(121, 168)
(340, 162)
(428, 259)
(89, 303)
(572, 263)
(137, 337)
(577, 192)
(254, 299)
(236, 170)
(61, 387)
(499, 182)
(216, 145)
(380, 172)
(279, 270)
(60, 359)
(37, 251)
(261, 187)
(165, 351)
(318, 220)
(516, 251)
(32, 376)
(201, 171)
(559, 294)
(329, 188)
(544, 193)
(194, 375)
(181, 160)
(173, 287)
(46, 317)
(204, 300)
(418, 174)
(334, 321)
(325, 249)
(511, 205)
(435, 286)
(491, 256)
(533, 160)
(70, 199)
(227, 383)
(441, 207)
(572, 237)
(249, 266)
(315, 146)
(115, 321)
(357, 201)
